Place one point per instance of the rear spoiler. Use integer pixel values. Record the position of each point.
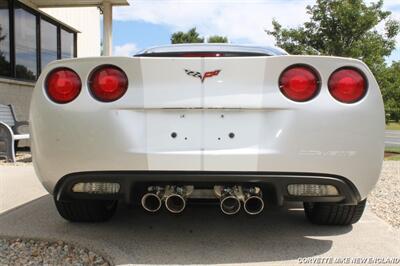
(201, 54)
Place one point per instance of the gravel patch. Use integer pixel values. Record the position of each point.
(22, 157)
(37, 252)
(384, 200)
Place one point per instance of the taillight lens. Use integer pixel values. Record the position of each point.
(108, 83)
(63, 85)
(299, 83)
(347, 85)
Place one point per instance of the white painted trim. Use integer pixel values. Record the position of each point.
(107, 28)
(17, 82)
(74, 3)
(21, 136)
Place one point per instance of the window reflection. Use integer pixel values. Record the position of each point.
(48, 42)
(67, 44)
(55, 42)
(5, 67)
(25, 45)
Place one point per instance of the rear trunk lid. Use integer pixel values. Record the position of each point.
(230, 82)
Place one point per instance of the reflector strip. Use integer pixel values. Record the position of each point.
(312, 190)
(96, 188)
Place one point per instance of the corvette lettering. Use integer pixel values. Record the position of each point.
(202, 77)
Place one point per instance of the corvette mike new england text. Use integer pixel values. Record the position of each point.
(351, 260)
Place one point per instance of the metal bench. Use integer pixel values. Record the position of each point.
(10, 132)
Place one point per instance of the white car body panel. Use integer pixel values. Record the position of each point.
(272, 133)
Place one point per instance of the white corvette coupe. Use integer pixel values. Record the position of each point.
(248, 127)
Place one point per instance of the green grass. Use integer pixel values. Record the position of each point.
(393, 158)
(393, 126)
(392, 149)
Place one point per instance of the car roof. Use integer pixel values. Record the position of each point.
(213, 47)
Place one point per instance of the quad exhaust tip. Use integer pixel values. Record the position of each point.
(174, 198)
(231, 199)
(151, 202)
(175, 203)
(230, 205)
(254, 205)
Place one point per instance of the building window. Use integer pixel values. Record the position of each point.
(5, 66)
(48, 42)
(29, 40)
(25, 44)
(67, 44)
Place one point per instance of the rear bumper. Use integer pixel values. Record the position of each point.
(277, 141)
(274, 184)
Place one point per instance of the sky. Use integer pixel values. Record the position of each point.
(147, 23)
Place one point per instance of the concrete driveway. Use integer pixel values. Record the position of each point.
(200, 236)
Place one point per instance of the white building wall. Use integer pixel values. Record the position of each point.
(84, 19)
(87, 21)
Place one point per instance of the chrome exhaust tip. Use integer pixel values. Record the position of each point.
(175, 200)
(252, 200)
(175, 203)
(229, 198)
(152, 201)
(254, 205)
(230, 205)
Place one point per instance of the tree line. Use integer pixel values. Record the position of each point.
(345, 28)
(192, 36)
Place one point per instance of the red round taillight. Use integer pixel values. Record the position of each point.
(299, 83)
(108, 83)
(347, 85)
(63, 85)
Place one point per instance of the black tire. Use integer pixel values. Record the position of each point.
(333, 214)
(86, 210)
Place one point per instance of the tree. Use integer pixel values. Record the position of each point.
(346, 28)
(4, 64)
(192, 36)
(186, 37)
(217, 39)
(391, 93)
(2, 38)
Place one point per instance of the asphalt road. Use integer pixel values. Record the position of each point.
(200, 236)
(392, 138)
